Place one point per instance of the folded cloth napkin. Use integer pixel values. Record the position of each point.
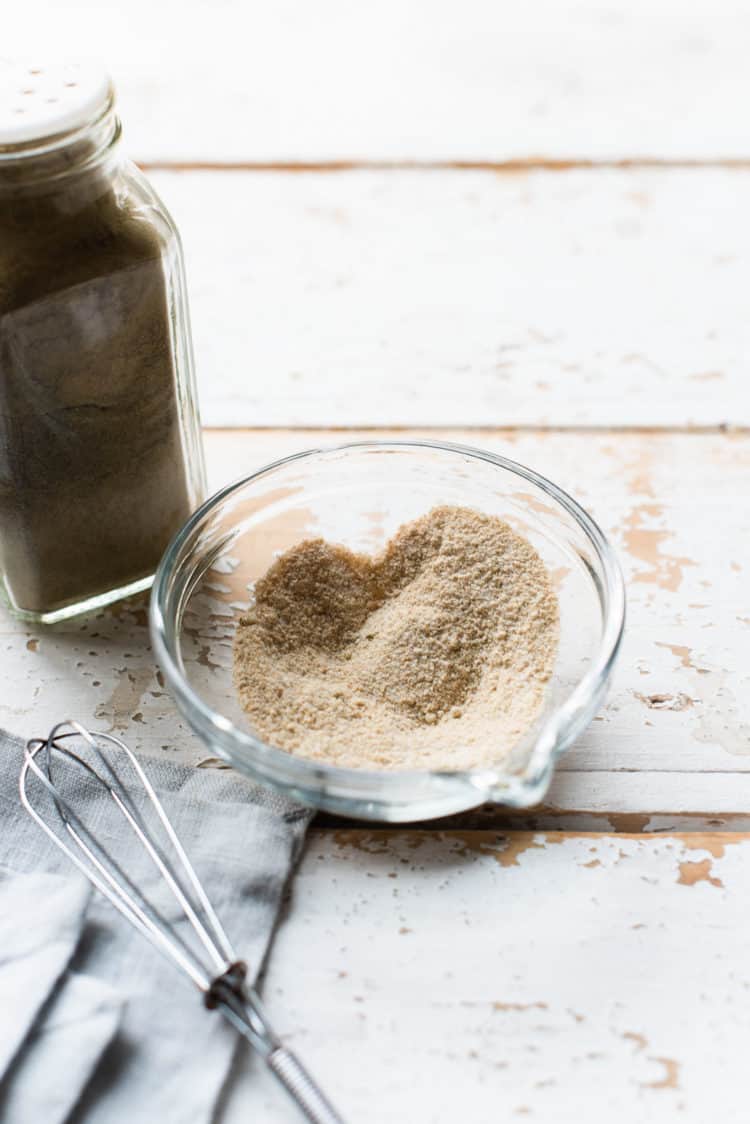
(170, 1057)
(61, 1052)
(41, 916)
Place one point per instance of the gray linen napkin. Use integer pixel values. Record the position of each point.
(170, 1058)
(61, 1052)
(41, 917)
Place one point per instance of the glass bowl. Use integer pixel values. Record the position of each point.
(358, 495)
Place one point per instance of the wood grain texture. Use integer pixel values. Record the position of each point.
(672, 743)
(414, 79)
(468, 298)
(567, 978)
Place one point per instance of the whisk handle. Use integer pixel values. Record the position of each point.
(301, 1087)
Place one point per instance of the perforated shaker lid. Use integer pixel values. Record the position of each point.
(38, 101)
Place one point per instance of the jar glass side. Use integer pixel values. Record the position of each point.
(173, 259)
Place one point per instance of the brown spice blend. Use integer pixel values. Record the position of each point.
(433, 654)
(93, 474)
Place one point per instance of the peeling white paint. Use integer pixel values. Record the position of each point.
(583, 980)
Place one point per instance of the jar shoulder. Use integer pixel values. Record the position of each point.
(47, 248)
(142, 193)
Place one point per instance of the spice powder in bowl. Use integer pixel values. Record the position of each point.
(433, 654)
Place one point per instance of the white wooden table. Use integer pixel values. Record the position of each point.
(523, 227)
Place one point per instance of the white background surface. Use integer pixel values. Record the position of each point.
(577, 299)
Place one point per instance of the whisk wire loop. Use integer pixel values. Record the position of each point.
(212, 935)
(102, 869)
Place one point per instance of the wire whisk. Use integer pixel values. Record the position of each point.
(209, 960)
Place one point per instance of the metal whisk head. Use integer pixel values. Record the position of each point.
(208, 959)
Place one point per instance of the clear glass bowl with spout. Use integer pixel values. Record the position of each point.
(358, 495)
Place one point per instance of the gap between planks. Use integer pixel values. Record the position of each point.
(503, 167)
(489, 822)
(377, 837)
(721, 428)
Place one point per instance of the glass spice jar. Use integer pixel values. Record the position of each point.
(100, 450)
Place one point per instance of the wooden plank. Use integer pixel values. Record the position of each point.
(549, 977)
(446, 298)
(671, 744)
(420, 80)
(584, 799)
